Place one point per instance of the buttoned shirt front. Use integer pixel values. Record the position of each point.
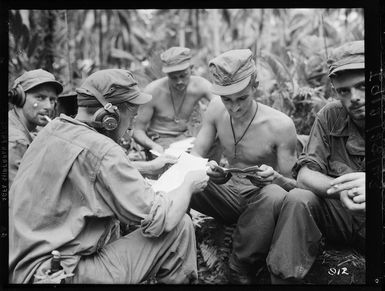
(335, 146)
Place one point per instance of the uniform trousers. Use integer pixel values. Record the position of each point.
(305, 222)
(131, 259)
(255, 212)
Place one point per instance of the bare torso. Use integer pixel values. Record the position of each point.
(259, 144)
(162, 102)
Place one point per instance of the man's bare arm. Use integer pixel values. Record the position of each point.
(286, 156)
(206, 135)
(316, 182)
(142, 120)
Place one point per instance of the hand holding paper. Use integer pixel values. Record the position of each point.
(217, 174)
(264, 175)
(176, 175)
(176, 148)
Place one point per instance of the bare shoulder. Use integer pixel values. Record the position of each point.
(156, 85)
(276, 120)
(216, 109)
(199, 84)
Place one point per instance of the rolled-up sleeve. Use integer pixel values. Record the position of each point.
(154, 223)
(129, 196)
(316, 151)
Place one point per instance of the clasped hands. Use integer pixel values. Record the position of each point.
(352, 190)
(263, 176)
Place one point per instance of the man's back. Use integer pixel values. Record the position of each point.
(56, 196)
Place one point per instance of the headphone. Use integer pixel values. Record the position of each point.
(108, 116)
(17, 96)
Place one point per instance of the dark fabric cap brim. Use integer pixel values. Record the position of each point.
(57, 85)
(230, 89)
(355, 66)
(175, 68)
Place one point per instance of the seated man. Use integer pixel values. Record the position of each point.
(33, 95)
(74, 184)
(164, 119)
(332, 170)
(251, 134)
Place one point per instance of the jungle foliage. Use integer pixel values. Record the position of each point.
(290, 46)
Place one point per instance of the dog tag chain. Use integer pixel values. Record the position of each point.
(232, 129)
(177, 112)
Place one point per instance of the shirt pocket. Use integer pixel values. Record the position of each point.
(338, 168)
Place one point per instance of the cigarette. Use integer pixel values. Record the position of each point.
(47, 118)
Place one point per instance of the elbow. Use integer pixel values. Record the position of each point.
(169, 226)
(301, 184)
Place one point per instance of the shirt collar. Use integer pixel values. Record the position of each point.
(75, 121)
(344, 126)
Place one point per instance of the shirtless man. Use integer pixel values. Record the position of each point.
(251, 134)
(165, 117)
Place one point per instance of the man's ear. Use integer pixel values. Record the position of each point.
(332, 86)
(256, 84)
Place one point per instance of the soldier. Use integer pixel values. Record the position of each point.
(331, 173)
(251, 134)
(164, 119)
(33, 95)
(76, 183)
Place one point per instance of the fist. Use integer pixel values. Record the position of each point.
(216, 174)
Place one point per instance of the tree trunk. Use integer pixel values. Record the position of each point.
(181, 30)
(98, 23)
(197, 32)
(48, 42)
(215, 29)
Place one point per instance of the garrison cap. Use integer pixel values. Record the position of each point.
(33, 78)
(231, 71)
(349, 56)
(175, 59)
(115, 85)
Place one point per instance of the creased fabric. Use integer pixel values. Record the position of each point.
(334, 147)
(70, 200)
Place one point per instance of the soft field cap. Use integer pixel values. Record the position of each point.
(175, 59)
(231, 71)
(115, 85)
(349, 56)
(37, 77)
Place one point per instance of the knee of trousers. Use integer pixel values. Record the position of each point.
(274, 193)
(301, 196)
(185, 226)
